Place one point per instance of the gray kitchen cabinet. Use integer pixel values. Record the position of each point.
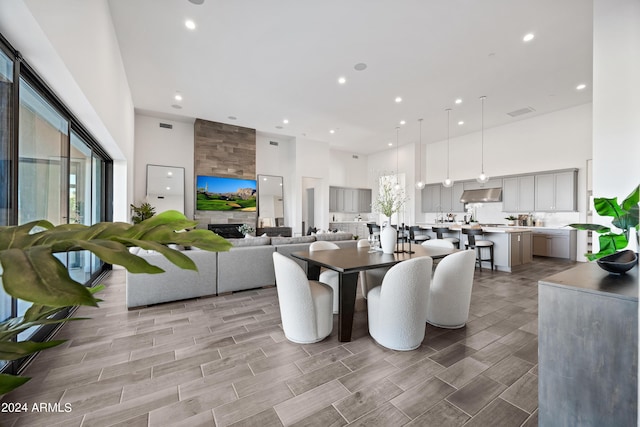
(446, 194)
(456, 204)
(555, 243)
(518, 194)
(431, 198)
(521, 252)
(364, 200)
(555, 191)
(349, 200)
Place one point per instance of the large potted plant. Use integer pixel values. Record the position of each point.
(625, 218)
(30, 271)
(389, 201)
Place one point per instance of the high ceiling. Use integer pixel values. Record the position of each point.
(265, 61)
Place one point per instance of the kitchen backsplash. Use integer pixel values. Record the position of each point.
(491, 213)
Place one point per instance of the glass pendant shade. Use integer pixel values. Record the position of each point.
(447, 183)
(482, 178)
(419, 185)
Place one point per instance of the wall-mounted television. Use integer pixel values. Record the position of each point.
(216, 193)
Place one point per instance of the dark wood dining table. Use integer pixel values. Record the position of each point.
(348, 262)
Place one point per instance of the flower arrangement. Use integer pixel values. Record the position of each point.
(246, 229)
(389, 200)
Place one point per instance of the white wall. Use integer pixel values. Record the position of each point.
(312, 160)
(347, 171)
(616, 97)
(77, 55)
(279, 160)
(164, 147)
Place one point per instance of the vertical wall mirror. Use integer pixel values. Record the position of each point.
(165, 188)
(270, 201)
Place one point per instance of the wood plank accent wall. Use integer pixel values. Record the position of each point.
(226, 150)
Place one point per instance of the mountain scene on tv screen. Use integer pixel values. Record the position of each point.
(225, 194)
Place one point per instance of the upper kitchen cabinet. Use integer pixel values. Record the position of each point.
(556, 191)
(349, 200)
(450, 198)
(518, 194)
(431, 198)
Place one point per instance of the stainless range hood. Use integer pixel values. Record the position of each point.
(482, 195)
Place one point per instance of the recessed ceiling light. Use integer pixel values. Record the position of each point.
(342, 80)
(190, 24)
(458, 101)
(402, 122)
(360, 66)
(581, 86)
(285, 121)
(264, 179)
(178, 97)
(332, 131)
(528, 37)
(170, 173)
(168, 188)
(460, 122)
(390, 144)
(177, 107)
(398, 99)
(232, 118)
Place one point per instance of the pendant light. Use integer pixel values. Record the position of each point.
(448, 182)
(397, 186)
(482, 178)
(420, 183)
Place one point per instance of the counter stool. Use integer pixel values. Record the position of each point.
(478, 245)
(417, 238)
(440, 230)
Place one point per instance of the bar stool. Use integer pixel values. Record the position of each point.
(417, 238)
(440, 230)
(478, 245)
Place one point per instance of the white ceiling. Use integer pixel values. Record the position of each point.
(263, 61)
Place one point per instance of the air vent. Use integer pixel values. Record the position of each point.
(166, 126)
(276, 143)
(521, 111)
(355, 156)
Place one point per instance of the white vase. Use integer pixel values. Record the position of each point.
(388, 239)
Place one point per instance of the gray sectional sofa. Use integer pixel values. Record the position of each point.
(249, 264)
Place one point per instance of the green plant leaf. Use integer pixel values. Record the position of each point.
(20, 236)
(632, 199)
(18, 350)
(37, 276)
(591, 227)
(116, 253)
(11, 382)
(608, 207)
(176, 257)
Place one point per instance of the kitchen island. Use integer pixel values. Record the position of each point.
(512, 246)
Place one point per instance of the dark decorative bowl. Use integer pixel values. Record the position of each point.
(618, 263)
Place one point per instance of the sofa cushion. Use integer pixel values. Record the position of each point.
(250, 241)
(292, 240)
(334, 236)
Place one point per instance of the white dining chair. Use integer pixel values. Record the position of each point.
(439, 243)
(330, 277)
(305, 305)
(450, 292)
(398, 307)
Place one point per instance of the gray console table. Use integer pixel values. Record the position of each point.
(588, 348)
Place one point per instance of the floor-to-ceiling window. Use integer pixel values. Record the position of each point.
(6, 93)
(50, 168)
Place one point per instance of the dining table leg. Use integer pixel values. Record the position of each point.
(348, 284)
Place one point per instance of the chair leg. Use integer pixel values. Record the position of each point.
(491, 255)
(479, 251)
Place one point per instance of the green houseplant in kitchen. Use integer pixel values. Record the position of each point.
(30, 271)
(511, 220)
(389, 201)
(142, 212)
(625, 218)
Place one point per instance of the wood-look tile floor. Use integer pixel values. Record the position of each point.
(225, 361)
